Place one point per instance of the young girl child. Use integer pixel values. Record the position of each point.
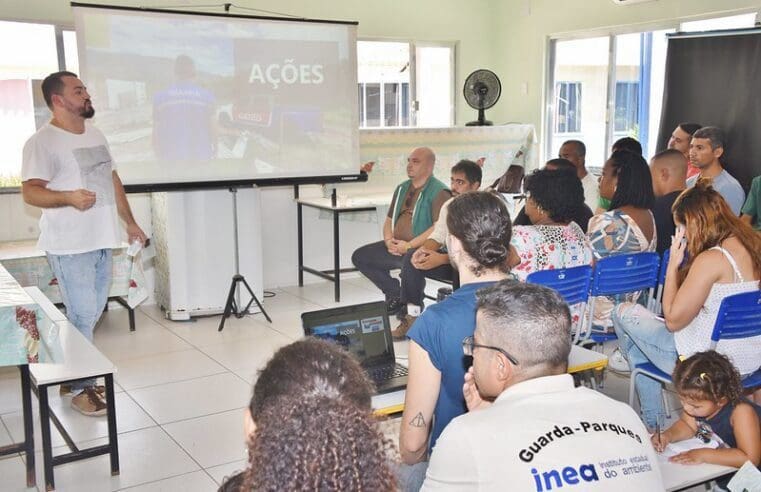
(709, 388)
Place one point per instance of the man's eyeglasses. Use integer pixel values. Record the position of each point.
(468, 344)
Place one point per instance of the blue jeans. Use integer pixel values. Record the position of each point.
(84, 280)
(644, 338)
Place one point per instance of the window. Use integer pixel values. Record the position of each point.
(622, 76)
(22, 110)
(568, 107)
(627, 108)
(400, 84)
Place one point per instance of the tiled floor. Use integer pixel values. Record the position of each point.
(182, 387)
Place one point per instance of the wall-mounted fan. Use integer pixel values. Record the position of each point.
(481, 91)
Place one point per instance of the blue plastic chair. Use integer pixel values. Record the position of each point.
(622, 274)
(739, 317)
(573, 286)
(656, 303)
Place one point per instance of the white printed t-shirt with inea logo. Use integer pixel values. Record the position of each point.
(544, 434)
(70, 161)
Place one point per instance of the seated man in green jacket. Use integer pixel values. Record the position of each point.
(413, 211)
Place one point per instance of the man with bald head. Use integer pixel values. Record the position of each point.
(576, 152)
(413, 211)
(669, 172)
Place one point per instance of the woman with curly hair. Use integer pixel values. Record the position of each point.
(310, 425)
(723, 258)
(554, 240)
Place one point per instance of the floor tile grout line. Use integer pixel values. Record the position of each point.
(243, 408)
(226, 371)
(180, 380)
(185, 450)
(161, 480)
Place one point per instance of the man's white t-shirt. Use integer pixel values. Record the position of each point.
(440, 229)
(68, 162)
(544, 434)
(591, 190)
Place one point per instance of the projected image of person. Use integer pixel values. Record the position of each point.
(183, 114)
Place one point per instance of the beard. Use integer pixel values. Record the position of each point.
(87, 111)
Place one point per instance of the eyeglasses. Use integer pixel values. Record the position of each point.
(468, 344)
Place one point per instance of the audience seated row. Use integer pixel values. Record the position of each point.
(713, 254)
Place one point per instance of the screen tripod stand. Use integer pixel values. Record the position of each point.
(233, 304)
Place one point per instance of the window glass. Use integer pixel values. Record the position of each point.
(22, 109)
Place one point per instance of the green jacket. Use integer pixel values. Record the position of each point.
(422, 215)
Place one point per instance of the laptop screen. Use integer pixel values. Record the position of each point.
(362, 329)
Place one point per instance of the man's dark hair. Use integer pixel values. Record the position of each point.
(530, 321)
(561, 164)
(479, 219)
(628, 143)
(714, 134)
(690, 128)
(635, 184)
(472, 171)
(581, 149)
(558, 192)
(53, 84)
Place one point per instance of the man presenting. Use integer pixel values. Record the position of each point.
(428, 260)
(67, 171)
(669, 172)
(528, 427)
(706, 149)
(413, 211)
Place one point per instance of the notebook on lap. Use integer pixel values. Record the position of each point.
(363, 330)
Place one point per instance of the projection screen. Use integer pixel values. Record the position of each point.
(199, 99)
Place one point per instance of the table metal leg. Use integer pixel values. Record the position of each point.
(113, 442)
(47, 446)
(26, 399)
(336, 259)
(300, 232)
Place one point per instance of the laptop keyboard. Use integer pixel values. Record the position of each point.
(387, 372)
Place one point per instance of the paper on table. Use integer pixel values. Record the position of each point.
(674, 448)
(747, 478)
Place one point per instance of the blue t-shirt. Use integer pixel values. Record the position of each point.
(728, 187)
(440, 331)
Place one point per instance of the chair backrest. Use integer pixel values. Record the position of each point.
(664, 266)
(620, 274)
(571, 283)
(739, 317)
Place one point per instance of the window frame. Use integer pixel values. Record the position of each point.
(414, 102)
(58, 29)
(551, 40)
(579, 96)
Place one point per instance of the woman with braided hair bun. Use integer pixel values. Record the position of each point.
(310, 426)
(478, 246)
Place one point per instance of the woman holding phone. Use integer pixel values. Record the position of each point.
(723, 257)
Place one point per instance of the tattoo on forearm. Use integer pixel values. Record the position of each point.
(418, 420)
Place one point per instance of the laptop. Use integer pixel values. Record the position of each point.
(364, 331)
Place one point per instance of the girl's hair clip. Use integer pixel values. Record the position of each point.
(704, 377)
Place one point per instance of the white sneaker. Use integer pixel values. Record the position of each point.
(618, 363)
